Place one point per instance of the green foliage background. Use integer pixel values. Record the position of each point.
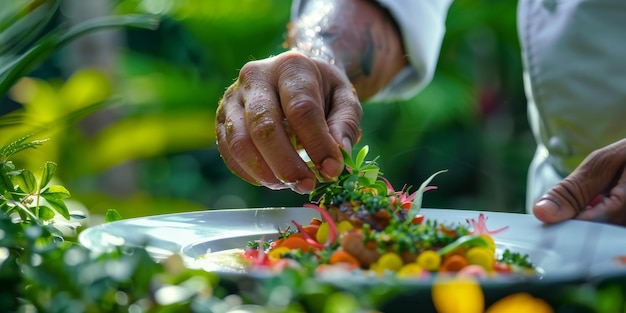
(150, 147)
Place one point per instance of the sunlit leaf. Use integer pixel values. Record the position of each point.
(147, 136)
(6, 184)
(85, 87)
(48, 173)
(57, 192)
(347, 158)
(26, 181)
(58, 205)
(46, 213)
(360, 157)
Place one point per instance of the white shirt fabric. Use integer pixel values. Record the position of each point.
(575, 78)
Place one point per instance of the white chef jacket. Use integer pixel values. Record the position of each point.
(574, 57)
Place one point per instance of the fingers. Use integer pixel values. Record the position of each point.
(264, 120)
(610, 208)
(601, 172)
(276, 100)
(306, 99)
(235, 145)
(344, 119)
(562, 202)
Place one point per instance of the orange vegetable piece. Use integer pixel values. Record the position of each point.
(295, 242)
(296, 235)
(453, 263)
(315, 221)
(311, 230)
(341, 256)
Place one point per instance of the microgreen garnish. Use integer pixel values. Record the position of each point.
(361, 181)
(516, 259)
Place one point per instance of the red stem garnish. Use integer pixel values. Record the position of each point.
(332, 233)
(308, 238)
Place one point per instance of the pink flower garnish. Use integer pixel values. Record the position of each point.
(404, 197)
(480, 226)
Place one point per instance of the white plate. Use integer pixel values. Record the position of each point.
(567, 251)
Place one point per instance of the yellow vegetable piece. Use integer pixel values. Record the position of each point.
(490, 242)
(429, 260)
(481, 256)
(344, 226)
(410, 270)
(390, 261)
(459, 295)
(275, 253)
(376, 268)
(520, 302)
(322, 233)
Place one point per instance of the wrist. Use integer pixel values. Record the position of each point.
(358, 37)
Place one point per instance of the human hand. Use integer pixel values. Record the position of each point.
(595, 191)
(278, 98)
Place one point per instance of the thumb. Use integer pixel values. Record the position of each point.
(574, 193)
(562, 202)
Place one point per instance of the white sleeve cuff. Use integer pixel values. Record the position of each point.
(422, 24)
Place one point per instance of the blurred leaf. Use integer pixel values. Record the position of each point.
(6, 151)
(21, 22)
(148, 136)
(112, 216)
(78, 215)
(14, 69)
(85, 87)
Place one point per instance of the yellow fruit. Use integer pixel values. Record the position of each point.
(490, 242)
(275, 253)
(410, 270)
(429, 260)
(322, 233)
(481, 256)
(344, 226)
(390, 261)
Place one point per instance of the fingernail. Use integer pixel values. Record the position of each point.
(547, 210)
(347, 144)
(548, 205)
(331, 168)
(304, 186)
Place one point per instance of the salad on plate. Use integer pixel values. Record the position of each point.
(367, 228)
